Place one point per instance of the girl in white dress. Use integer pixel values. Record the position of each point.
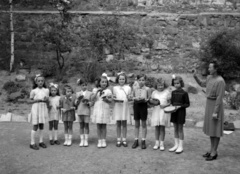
(101, 110)
(160, 119)
(39, 112)
(121, 111)
(54, 113)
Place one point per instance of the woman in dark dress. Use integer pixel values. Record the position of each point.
(214, 111)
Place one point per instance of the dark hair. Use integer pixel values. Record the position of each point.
(160, 81)
(65, 89)
(122, 74)
(179, 79)
(58, 92)
(99, 80)
(35, 84)
(81, 82)
(216, 66)
(141, 75)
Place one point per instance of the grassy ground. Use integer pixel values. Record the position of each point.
(17, 158)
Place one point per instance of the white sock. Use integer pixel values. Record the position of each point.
(40, 136)
(143, 139)
(50, 135)
(136, 138)
(86, 136)
(124, 139)
(82, 136)
(33, 137)
(118, 139)
(55, 134)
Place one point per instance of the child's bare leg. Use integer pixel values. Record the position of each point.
(162, 133)
(119, 130)
(144, 129)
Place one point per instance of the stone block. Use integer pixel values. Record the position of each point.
(199, 124)
(237, 124)
(20, 77)
(190, 123)
(6, 117)
(14, 96)
(109, 58)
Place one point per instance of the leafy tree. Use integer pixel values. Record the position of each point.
(224, 46)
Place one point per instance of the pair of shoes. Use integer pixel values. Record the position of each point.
(34, 147)
(56, 142)
(124, 143)
(51, 142)
(118, 144)
(135, 144)
(42, 145)
(210, 158)
(206, 155)
(144, 144)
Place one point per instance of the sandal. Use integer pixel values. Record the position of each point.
(118, 144)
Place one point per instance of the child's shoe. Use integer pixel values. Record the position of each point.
(51, 142)
(180, 147)
(135, 144)
(66, 140)
(144, 144)
(69, 143)
(156, 146)
(81, 141)
(34, 147)
(104, 144)
(162, 146)
(56, 142)
(174, 148)
(99, 145)
(85, 143)
(42, 145)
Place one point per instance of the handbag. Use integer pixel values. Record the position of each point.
(228, 126)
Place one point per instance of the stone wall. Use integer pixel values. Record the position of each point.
(177, 36)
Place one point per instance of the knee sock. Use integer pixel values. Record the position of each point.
(50, 134)
(33, 137)
(40, 136)
(55, 134)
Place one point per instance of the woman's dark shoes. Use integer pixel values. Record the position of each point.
(124, 143)
(118, 144)
(206, 155)
(42, 145)
(34, 147)
(210, 158)
(51, 142)
(135, 144)
(57, 142)
(143, 144)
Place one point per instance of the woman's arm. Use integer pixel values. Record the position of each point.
(202, 83)
(220, 91)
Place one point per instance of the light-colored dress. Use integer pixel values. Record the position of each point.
(54, 112)
(159, 117)
(39, 111)
(215, 90)
(121, 111)
(101, 110)
(82, 108)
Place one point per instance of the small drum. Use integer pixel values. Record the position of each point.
(170, 109)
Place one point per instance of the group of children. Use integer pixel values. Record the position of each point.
(49, 105)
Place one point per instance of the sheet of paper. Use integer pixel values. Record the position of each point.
(227, 132)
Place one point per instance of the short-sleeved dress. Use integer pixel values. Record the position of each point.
(101, 110)
(82, 108)
(179, 98)
(121, 111)
(39, 111)
(54, 112)
(215, 90)
(159, 117)
(68, 103)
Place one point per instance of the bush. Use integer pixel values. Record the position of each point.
(91, 70)
(224, 47)
(11, 87)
